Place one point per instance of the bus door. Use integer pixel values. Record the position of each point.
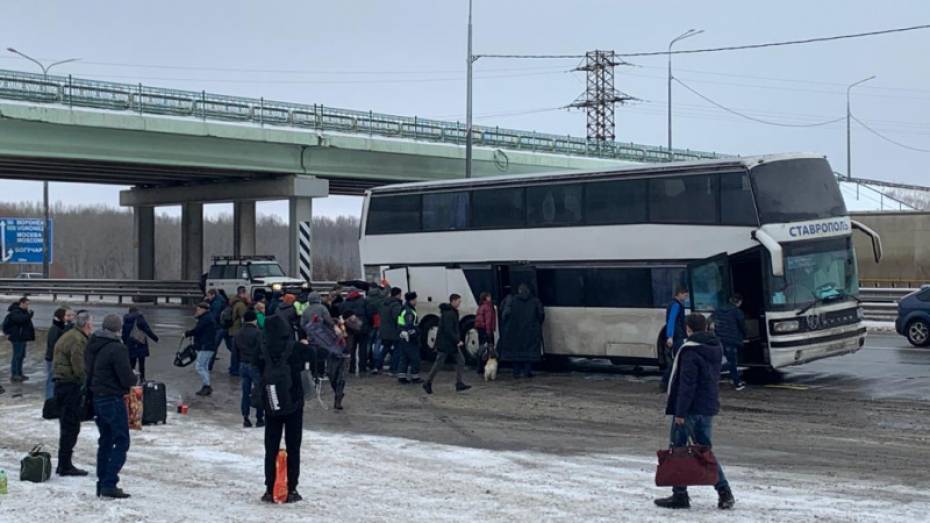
(397, 278)
(509, 278)
(709, 283)
(746, 270)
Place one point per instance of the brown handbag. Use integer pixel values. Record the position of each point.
(686, 466)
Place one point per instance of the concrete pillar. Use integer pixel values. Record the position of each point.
(191, 241)
(301, 216)
(143, 220)
(243, 228)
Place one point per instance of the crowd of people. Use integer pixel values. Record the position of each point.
(280, 344)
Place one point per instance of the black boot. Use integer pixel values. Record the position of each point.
(675, 501)
(246, 422)
(461, 387)
(260, 423)
(202, 391)
(337, 404)
(115, 493)
(428, 387)
(267, 497)
(725, 500)
(293, 497)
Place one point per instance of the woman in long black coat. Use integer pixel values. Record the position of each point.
(521, 341)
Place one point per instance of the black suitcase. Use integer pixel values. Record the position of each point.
(154, 403)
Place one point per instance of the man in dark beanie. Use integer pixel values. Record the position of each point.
(249, 343)
(280, 361)
(110, 377)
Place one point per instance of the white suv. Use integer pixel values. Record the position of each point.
(255, 273)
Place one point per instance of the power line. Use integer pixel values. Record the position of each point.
(889, 140)
(720, 49)
(746, 116)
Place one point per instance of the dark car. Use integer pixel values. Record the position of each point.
(914, 317)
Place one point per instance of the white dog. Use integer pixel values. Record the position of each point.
(490, 369)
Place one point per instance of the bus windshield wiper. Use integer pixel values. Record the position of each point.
(828, 299)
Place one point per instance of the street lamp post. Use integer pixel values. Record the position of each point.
(470, 60)
(848, 129)
(46, 247)
(687, 34)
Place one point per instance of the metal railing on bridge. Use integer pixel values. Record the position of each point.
(142, 99)
(138, 290)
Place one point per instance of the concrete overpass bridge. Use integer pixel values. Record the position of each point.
(188, 148)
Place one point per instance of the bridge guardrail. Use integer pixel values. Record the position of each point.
(136, 289)
(71, 91)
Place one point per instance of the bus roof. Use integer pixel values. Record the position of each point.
(697, 166)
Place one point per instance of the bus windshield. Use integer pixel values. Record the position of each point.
(822, 270)
(796, 190)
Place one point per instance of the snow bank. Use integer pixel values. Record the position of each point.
(196, 470)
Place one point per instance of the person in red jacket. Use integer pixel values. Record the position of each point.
(486, 325)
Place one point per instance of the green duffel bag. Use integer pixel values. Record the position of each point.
(36, 466)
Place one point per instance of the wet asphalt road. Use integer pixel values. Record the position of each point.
(887, 367)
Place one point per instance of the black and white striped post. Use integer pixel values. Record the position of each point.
(301, 238)
(304, 261)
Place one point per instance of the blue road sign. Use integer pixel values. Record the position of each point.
(21, 240)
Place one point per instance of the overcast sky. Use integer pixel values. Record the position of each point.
(408, 57)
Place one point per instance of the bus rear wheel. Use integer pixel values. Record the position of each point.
(470, 339)
(428, 328)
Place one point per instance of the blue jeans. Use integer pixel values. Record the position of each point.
(249, 375)
(383, 348)
(49, 381)
(204, 358)
(700, 429)
(732, 353)
(19, 354)
(113, 424)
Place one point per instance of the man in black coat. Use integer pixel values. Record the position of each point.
(110, 377)
(448, 343)
(278, 342)
(390, 331)
(521, 342)
(19, 330)
(693, 401)
(249, 343)
(204, 334)
(730, 325)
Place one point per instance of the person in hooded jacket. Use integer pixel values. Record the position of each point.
(109, 378)
(730, 325)
(61, 322)
(20, 331)
(288, 312)
(448, 344)
(278, 341)
(693, 401)
(521, 342)
(358, 341)
(138, 350)
(204, 334)
(389, 332)
(248, 342)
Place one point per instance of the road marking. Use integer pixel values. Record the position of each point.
(789, 387)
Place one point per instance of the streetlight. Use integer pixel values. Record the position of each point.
(848, 133)
(687, 34)
(471, 60)
(46, 247)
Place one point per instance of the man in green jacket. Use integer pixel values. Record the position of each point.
(70, 378)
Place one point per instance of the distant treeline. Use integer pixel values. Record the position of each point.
(96, 242)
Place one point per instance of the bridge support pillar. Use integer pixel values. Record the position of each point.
(243, 228)
(143, 219)
(191, 241)
(301, 218)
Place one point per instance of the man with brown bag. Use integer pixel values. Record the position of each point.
(693, 401)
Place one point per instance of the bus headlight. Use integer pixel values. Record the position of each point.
(276, 286)
(859, 313)
(786, 326)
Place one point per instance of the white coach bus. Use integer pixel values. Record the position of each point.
(604, 250)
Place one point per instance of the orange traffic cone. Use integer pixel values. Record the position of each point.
(280, 479)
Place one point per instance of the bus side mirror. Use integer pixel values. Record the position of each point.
(775, 251)
(876, 239)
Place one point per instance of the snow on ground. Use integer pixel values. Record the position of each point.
(196, 470)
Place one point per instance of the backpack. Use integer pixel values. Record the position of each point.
(226, 317)
(277, 382)
(7, 325)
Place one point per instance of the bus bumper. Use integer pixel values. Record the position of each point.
(798, 352)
